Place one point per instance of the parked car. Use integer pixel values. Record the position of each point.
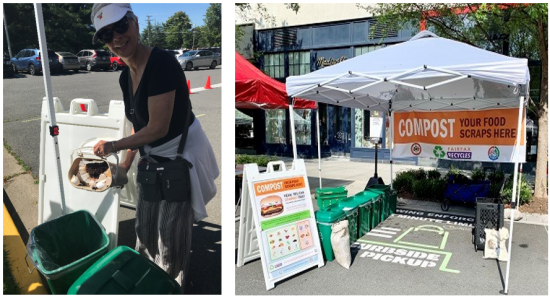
(30, 60)
(217, 50)
(199, 58)
(92, 59)
(116, 62)
(8, 69)
(68, 61)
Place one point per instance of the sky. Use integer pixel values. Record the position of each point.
(161, 12)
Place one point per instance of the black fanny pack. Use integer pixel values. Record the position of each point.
(169, 180)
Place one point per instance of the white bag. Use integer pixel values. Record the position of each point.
(339, 238)
(495, 244)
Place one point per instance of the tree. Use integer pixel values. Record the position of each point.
(153, 35)
(175, 28)
(519, 30)
(212, 29)
(68, 27)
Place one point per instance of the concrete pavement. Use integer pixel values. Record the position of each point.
(369, 276)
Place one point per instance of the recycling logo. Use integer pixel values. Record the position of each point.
(438, 152)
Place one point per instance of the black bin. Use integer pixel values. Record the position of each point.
(489, 214)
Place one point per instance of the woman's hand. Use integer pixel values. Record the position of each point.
(103, 148)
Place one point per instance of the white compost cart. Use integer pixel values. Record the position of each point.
(426, 73)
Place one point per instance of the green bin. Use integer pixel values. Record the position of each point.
(330, 196)
(62, 249)
(351, 208)
(390, 199)
(365, 201)
(124, 271)
(325, 219)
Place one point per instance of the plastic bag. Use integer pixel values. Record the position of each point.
(495, 244)
(339, 238)
(57, 246)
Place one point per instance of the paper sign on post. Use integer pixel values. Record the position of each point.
(376, 127)
(284, 222)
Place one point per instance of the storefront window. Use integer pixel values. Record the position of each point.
(298, 63)
(275, 122)
(302, 125)
(364, 49)
(274, 65)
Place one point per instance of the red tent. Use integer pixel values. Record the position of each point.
(255, 90)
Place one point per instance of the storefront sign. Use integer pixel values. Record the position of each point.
(280, 204)
(488, 135)
(324, 62)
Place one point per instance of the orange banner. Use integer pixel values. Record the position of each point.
(487, 127)
(275, 186)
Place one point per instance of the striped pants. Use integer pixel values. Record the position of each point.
(164, 232)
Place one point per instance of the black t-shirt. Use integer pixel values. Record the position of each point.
(162, 74)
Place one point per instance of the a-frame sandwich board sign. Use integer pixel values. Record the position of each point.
(278, 222)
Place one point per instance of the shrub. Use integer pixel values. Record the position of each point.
(261, 160)
(419, 174)
(496, 179)
(478, 175)
(422, 188)
(525, 195)
(438, 188)
(403, 181)
(434, 175)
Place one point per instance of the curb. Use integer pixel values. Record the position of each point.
(30, 283)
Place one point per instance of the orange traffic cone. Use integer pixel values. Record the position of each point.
(189, 86)
(207, 86)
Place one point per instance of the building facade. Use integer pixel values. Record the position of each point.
(283, 43)
(286, 43)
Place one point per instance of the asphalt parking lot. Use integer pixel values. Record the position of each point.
(22, 102)
(405, 255)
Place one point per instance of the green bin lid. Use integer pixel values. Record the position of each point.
(332, 196)
(369, 194)
(124, 271)
(330, 214)
(331, 190)
(348, 204)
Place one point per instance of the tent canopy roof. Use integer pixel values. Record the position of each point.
(425, 73)
(255, 90)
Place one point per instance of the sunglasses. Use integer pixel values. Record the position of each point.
(106, 35)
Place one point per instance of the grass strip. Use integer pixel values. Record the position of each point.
(10, 284)
(20, 162)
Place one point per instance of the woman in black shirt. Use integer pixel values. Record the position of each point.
(156, 100)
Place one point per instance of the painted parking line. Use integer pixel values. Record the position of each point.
(199, 89)
(379, 235)
(34, 119)
(390, 228)
(384, 231)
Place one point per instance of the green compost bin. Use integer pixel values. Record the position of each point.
(351, 208)
(124, 271)
(325, 219)
(376, 199)
(365, 201)
(390, 199)
(330, 196)
(62, 249)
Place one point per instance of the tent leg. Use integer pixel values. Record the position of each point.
(319, 147)
(49, 94)
(292, 131)
(391, 150)
(514, 188)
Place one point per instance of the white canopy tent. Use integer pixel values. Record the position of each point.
(426, 73)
